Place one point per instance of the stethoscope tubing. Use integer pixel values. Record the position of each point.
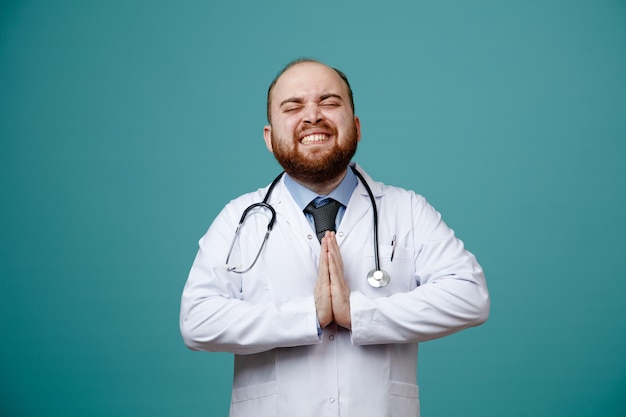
(376, 282)
(375, 214)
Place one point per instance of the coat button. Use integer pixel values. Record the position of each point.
(331, 400)
(309, 236)
(331, 337)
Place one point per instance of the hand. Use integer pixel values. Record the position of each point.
(332, 294)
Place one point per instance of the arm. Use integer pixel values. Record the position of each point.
(452, 293)
(216, 317)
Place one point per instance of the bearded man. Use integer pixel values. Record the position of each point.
(326, 285)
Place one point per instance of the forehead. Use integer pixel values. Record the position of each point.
(309, 79)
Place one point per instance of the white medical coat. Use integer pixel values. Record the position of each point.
(267, 316)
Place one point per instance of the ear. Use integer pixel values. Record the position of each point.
(357, 123)
(267, 136)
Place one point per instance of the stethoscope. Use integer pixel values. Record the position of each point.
(376, 277)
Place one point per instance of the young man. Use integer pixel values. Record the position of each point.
(314, 330)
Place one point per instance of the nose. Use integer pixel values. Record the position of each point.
(312, 114)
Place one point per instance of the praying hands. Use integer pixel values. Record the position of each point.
(332, 295)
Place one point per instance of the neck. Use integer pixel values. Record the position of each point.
(325, 187)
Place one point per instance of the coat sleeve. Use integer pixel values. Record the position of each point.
(451, 292)
(215, 317)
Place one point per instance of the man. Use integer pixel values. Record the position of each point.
(311, 336)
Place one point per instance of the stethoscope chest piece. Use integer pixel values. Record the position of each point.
(378, 278)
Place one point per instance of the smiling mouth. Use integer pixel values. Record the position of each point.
(315, 138)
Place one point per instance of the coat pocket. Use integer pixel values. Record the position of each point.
(401, 271)
(403, 400)
(255, 400)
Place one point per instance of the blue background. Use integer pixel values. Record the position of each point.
(125, 126)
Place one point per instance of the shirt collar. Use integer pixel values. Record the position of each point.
(303, 195)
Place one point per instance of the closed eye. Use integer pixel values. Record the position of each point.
(291, 109)
(291, 104)
(331, 100)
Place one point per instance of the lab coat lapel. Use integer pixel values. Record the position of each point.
(287, 211)
(359, 205)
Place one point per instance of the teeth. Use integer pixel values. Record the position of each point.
(313, 138)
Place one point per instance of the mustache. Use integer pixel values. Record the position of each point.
(316, 126)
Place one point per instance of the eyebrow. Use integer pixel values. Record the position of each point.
(300, 100)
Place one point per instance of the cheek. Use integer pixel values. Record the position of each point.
(344, 120)
(286, 129)
(282, 138)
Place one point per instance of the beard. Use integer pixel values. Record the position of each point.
(323, 165)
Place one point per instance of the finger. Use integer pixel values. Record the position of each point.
(323, 253)
(322, 294)
(323, 273)
(335, 261)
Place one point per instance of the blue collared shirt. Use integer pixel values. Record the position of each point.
(342, 194)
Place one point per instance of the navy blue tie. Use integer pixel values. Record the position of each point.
(323, 216)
